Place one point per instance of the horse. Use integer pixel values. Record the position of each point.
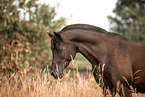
(124, 60)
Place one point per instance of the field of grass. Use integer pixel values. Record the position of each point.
(41, 84)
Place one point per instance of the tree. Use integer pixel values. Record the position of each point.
(46, 15)
(129, 20)
(24, 40)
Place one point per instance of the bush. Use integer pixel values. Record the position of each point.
(25, 40)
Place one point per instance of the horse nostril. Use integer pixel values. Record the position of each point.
(53, 74)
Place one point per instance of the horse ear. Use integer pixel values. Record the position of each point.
(51, 35)
(57, 35)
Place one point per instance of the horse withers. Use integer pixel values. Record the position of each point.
(124, 60)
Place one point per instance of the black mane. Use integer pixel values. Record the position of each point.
(90, 28)
(84, 27)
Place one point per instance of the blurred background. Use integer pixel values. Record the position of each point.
(24, 43)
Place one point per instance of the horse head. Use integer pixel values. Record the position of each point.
(63, 52)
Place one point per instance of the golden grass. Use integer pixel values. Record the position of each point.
(43, 85)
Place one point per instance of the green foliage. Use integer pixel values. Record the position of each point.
(46, 15)
(81, 61)
(24, 40)
(129, 20)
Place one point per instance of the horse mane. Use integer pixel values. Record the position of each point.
(90, 28)
(84, 27)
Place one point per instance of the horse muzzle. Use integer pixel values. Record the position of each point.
(56, 74)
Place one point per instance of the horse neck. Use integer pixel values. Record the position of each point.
(95, 54)
(88, 44)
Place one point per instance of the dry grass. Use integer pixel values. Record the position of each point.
(43, 85)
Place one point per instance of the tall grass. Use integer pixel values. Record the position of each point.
(41, 84)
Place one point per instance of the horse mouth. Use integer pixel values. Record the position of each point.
(59, 72)
(60, 76)
(56, 75)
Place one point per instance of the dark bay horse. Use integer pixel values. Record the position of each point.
(124, 60)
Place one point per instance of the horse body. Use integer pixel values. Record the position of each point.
(138, 67)
(124, 60)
